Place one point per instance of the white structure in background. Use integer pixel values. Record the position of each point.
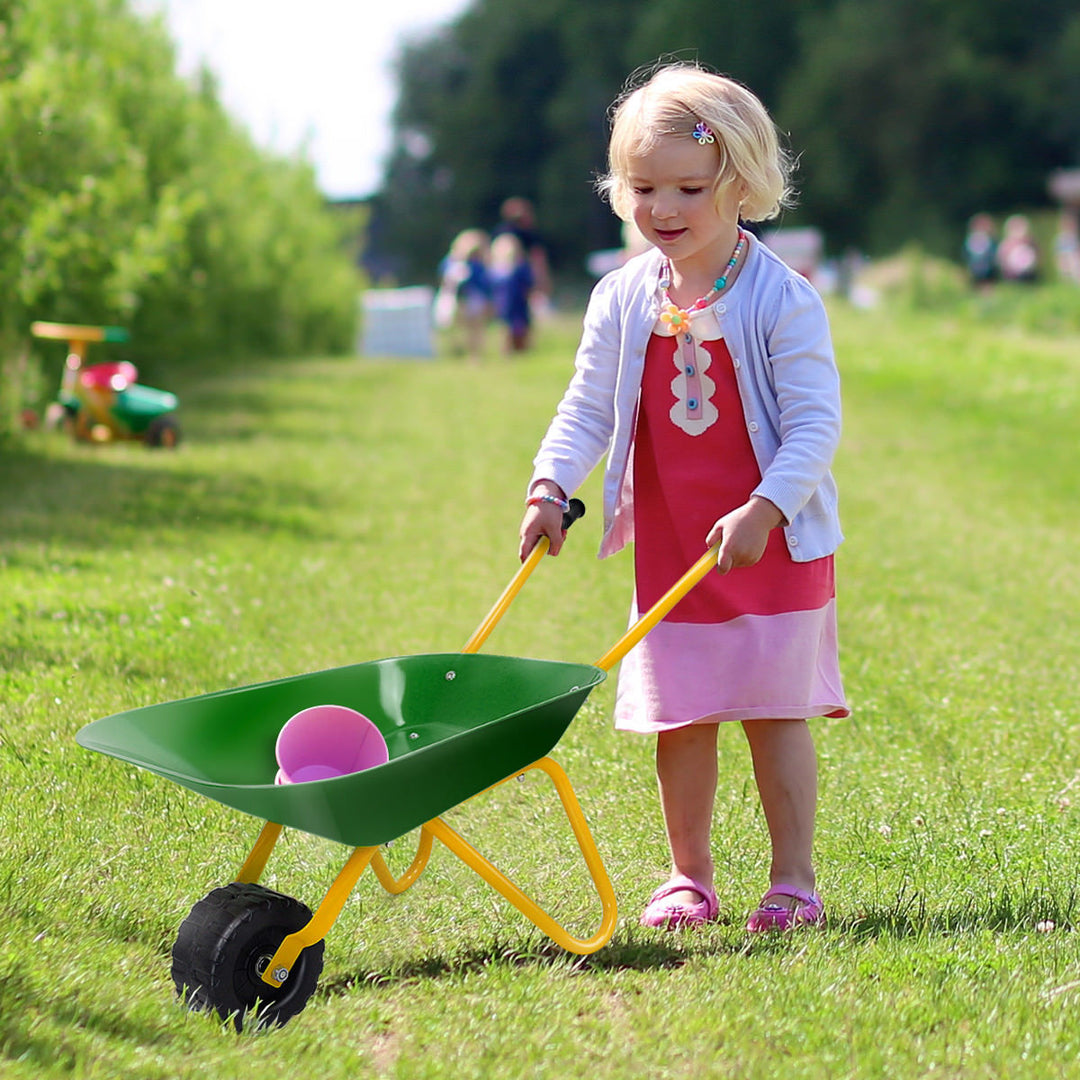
(802, 249)
(1064, 185)
(397, 322)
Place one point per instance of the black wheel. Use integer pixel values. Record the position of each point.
(224, 945)
(163, 431)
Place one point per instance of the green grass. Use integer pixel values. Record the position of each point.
(331, 511)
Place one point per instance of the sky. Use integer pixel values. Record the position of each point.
(311, 75)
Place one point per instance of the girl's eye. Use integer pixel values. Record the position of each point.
(692, 190)
(642, 190)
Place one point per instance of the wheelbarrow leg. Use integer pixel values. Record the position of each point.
(281, 963)
(502, 884)
(256, 861)
(408, 879)
(277, 970)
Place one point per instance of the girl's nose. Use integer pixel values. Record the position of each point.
(664, 210)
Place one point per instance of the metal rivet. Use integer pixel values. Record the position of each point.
(451, 676)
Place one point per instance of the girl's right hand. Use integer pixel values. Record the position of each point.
(543, 519)
(743, 534)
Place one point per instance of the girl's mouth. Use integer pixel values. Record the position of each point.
(669, 236)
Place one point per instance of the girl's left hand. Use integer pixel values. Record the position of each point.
(743, 534)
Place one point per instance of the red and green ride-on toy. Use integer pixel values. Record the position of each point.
(102, 402)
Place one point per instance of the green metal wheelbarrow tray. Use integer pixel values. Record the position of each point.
(455, 724)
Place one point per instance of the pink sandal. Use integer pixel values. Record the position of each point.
(807, 911)
(662, 912)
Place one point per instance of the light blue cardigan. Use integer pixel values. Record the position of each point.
(778, 335)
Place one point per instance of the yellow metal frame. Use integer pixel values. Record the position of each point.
(277, 971)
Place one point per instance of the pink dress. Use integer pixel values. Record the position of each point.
(757, 643)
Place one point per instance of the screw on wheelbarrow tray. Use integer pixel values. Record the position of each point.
(455, 724)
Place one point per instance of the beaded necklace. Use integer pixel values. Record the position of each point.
(679, 318)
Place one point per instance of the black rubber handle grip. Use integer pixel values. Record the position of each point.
(572, 513)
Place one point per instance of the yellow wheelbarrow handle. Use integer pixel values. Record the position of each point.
(659, 609)
(498, 609)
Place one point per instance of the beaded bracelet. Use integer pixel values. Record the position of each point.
(536, 500)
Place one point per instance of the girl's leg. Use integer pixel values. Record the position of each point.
(785, 767)
(686, 771)
(475, 328)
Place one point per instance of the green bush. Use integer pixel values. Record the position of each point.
(915, 281)
(1043, 309)
(128, 196)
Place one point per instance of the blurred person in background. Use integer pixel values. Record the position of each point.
(1017, 254)
(980, 250)
(517, 216)
(511, 284)
(1067, 246)
(463, 303)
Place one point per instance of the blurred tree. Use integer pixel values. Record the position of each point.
(1062, 86)
(127, 195)
(913, 114)
(906, 115)
(757, 43)
(510, 99)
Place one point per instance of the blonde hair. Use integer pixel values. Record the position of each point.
(674, 100)
(506, 251)
(469, 244)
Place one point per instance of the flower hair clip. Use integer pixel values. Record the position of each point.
(703, 133)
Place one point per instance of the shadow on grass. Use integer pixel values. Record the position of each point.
(99, 502)
(25, 1040)
(998, 915)
(241, 403)
(623, 953)
(910, 918)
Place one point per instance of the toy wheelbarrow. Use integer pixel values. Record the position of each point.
(455, 724)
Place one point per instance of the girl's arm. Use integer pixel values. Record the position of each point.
(802, 397)
(581, 430)
(806, 387)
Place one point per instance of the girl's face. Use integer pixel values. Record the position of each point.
(675, 208)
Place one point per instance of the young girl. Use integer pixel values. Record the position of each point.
(706, 374)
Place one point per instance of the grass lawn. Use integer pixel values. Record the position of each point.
(324, 512)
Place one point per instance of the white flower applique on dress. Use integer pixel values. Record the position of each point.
(693, 410)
